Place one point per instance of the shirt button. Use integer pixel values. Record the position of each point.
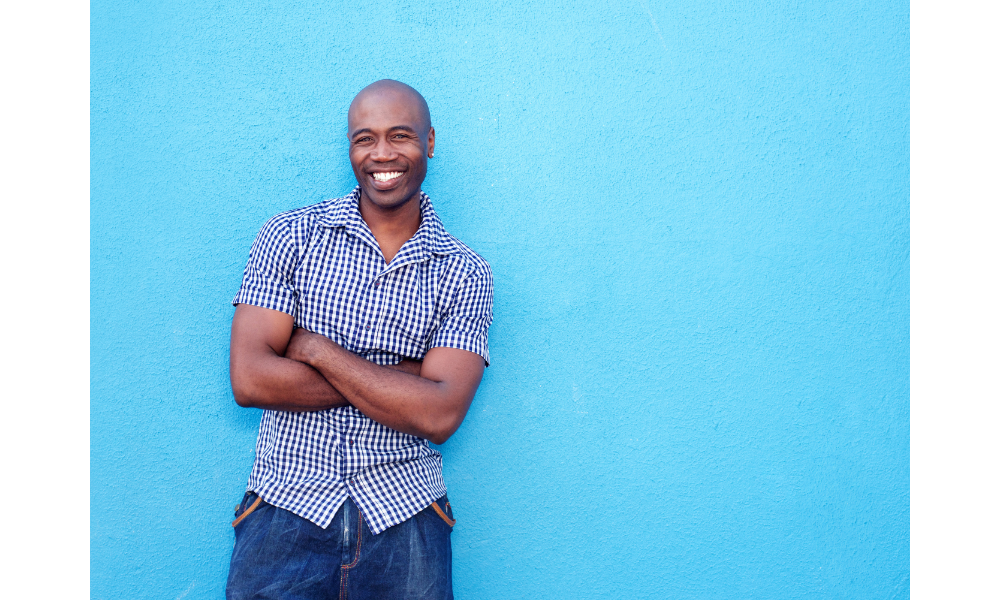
(368, 326)
(351, 442)
(377, 283)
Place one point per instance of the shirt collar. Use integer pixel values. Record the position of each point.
(430, 238)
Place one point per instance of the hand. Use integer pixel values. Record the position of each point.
(301, 345)
(304, 344)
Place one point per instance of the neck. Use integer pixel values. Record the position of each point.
(392, 227)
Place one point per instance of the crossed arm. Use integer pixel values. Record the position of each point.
(272, 367)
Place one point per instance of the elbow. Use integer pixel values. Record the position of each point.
(439, 438)
(243, 391)
(443, 428)
(242, 400)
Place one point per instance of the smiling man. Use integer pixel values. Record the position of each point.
(361, 329)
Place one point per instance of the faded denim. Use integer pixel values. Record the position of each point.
(279, 555)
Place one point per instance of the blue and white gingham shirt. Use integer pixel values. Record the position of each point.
(322, 265)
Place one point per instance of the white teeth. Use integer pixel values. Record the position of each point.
(386, 176)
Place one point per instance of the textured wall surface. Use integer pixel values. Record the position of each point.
(697, 218)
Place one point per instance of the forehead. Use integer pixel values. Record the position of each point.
(384, 109)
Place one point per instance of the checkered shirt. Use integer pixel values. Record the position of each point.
(322, 265)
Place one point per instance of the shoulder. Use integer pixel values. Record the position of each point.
(469, 273)
(461, 258)
(297, 225)
(473, 263)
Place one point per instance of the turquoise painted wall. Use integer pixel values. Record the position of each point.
(697, 218)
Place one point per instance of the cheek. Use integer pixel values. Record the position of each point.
(357, 158)
(357, 170)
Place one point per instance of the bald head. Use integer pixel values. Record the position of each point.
(395, 92)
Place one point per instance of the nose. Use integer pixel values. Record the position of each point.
(383, 150)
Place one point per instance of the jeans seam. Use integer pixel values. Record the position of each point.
(345, 570)
(357, 554)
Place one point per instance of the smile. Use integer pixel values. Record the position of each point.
(387, 176)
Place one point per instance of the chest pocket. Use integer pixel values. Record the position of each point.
(409, 310)
(335, 295)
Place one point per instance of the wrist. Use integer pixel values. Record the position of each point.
(312, 349)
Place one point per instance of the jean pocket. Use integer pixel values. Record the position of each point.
(249, 504)
(443, 509)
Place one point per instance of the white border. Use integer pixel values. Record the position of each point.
(954, 301)
(954, 324)
(45, 49)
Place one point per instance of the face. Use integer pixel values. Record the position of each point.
(390, 143)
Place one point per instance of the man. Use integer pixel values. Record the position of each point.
(361, 329)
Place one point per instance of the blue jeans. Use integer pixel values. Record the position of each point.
(281, 555)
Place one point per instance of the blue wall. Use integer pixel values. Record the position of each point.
(697, 217)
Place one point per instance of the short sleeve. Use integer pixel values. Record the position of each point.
(267, 279)
(468, 319)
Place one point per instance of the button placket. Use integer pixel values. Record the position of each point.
(375, 319)
(341, 423)
(350, 434)
(374, 301)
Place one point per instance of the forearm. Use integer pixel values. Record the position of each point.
(278, 383)
(399, 400)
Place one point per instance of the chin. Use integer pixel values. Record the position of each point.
(390, 199)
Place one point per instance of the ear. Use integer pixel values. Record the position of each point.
(430, 143)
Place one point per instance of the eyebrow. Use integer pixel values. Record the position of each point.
(393, 128)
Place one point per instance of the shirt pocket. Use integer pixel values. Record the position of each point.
(409, 314)
(335, 299)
